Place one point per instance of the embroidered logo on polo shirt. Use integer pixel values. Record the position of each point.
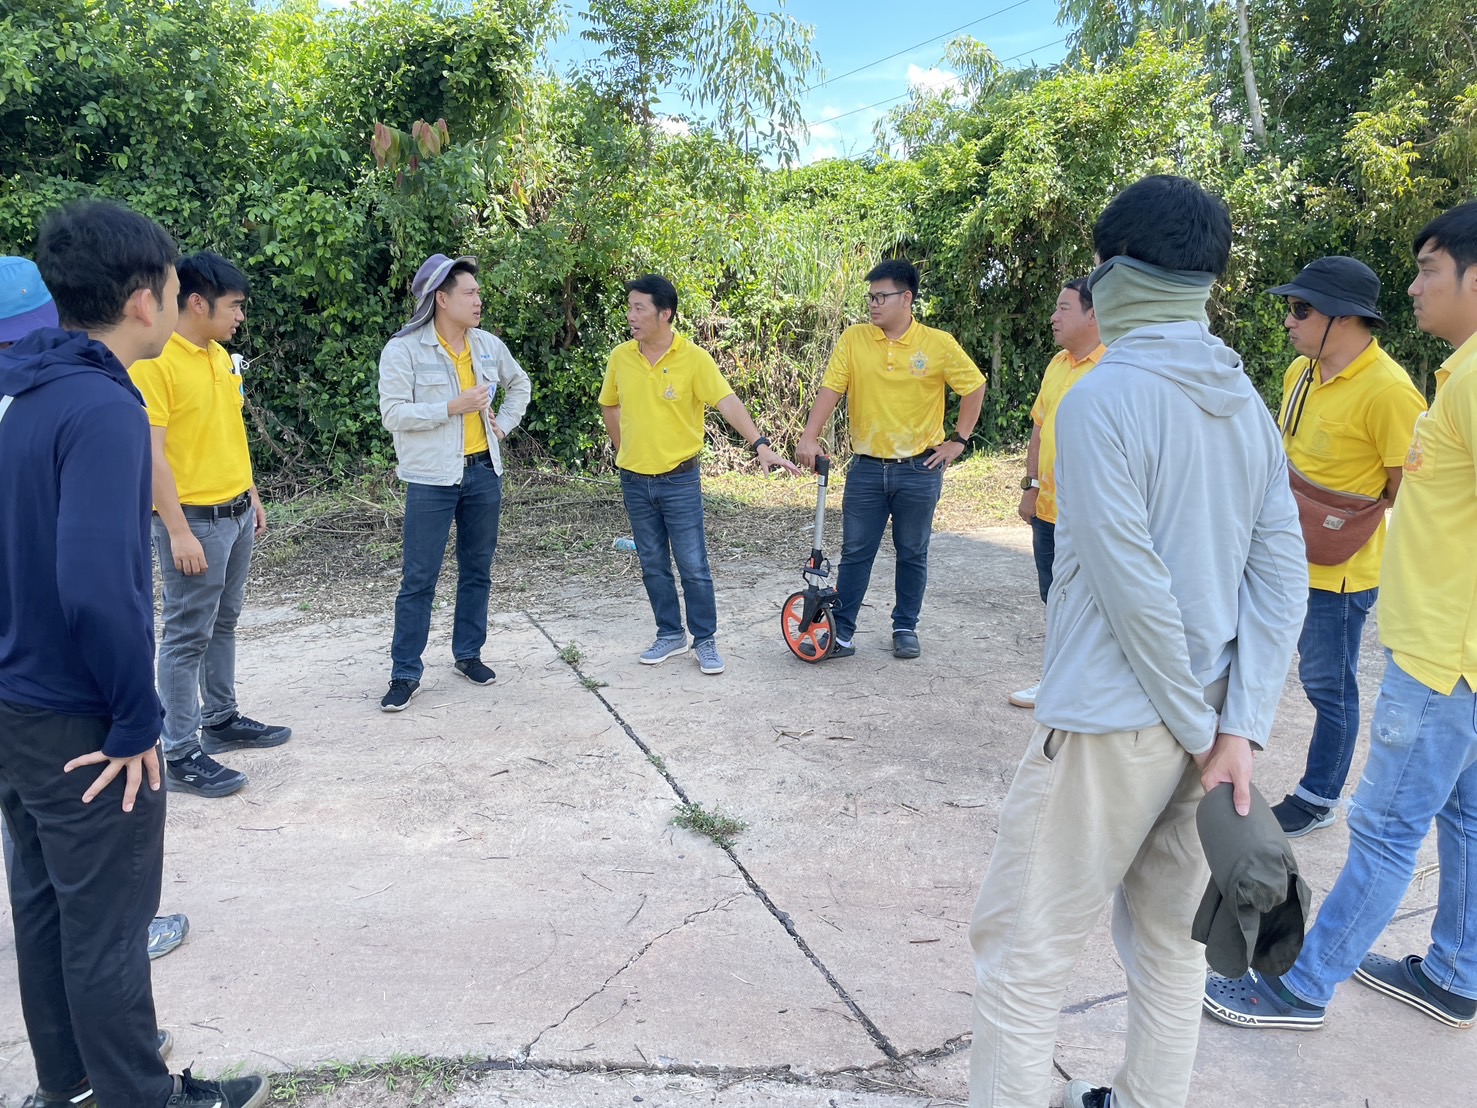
(919, 364)
(1415, 457)
(670, 393)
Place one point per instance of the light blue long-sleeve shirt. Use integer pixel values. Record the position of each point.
(1180, 569)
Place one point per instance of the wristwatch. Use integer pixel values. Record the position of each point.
(1028, 482)
(760, 441)
(960, 439)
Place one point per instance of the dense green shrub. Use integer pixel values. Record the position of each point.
(247, 129)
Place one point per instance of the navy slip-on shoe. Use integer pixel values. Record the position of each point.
(1258, 1001)
(1407, 982)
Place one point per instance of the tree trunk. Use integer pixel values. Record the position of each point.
(1248, 73)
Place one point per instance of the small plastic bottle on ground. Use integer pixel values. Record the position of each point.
(626, 543)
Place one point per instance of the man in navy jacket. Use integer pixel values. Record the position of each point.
(79, 718)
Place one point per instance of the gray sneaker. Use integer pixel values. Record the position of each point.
(708, 658)
(668, 646)
(166, 933)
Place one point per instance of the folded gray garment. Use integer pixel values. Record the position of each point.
(1255, 909)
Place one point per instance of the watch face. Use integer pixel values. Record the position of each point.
(1027, 483)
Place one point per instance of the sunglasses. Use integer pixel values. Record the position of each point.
(1299, 309)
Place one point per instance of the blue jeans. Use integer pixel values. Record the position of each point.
(666, 524)
(1422, 767)
(197, 652)
(475, 505)
(1043, 545)
(906, 492)
(1328, 666)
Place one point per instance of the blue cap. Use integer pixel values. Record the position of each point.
(25, 303)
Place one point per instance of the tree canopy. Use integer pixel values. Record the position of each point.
(330, 151)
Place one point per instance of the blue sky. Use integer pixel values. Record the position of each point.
(854, 34)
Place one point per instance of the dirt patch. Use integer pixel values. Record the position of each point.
(333, 550)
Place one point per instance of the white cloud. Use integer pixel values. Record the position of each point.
(670, 125)
(819, 152)
(823, 131)
(935, 80)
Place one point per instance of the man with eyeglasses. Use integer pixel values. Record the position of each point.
(1348, 410)
(895, 374)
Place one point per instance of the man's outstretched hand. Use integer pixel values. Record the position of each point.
(1230, 759)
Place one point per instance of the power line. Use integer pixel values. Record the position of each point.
(916, 45)
(895, 99)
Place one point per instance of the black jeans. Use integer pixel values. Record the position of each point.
(1043, 545)
(84, 884)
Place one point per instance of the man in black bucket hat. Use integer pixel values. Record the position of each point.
(1348, 411)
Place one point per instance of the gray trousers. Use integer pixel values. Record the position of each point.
(197, 652)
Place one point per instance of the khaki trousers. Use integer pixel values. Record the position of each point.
(1088, 819)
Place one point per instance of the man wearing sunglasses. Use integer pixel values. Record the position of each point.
(895, 374)
(1347, 413)
(1422, 766)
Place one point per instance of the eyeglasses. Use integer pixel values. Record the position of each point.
(1299, 309)
(876, 299)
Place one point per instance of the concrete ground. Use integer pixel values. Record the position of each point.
(493, 875)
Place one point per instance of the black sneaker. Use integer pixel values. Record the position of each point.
(202, 775)
(905, 644)
(1297, 816)
(241, 733)
(233, 1092)
(1081, 1094)
(474, 671)
(81, 1095)
(401, 690)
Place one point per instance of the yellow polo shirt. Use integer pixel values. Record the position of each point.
(194, 395)
(1428, 590)
(474, 434)
(1062, 372)
(661, 405)
(1351, 427)
(894, 389)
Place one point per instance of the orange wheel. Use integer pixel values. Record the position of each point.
(814, 642)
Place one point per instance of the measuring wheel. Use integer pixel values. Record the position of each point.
(806, 622)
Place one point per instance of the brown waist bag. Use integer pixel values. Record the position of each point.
(1335, 524)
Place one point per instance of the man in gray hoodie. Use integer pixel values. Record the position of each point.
(1180, 586)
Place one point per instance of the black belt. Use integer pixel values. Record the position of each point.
(685, 467)
(238, 507)
(896, 461)
(469, 460)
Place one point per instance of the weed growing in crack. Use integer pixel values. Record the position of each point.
(658, 761)
(715, 825)
(593, 683)
(571, 654)
(419, 1076)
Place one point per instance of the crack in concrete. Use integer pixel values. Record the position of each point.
(1094, 1002)
(631, 961)
(874, 1032)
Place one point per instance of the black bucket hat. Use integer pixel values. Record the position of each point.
(1337, 286)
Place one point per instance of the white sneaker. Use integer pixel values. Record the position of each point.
(1025, 698)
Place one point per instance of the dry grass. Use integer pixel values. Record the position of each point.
(328, 547)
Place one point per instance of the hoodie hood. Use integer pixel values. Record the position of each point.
(51, 353)
(1203, 367)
